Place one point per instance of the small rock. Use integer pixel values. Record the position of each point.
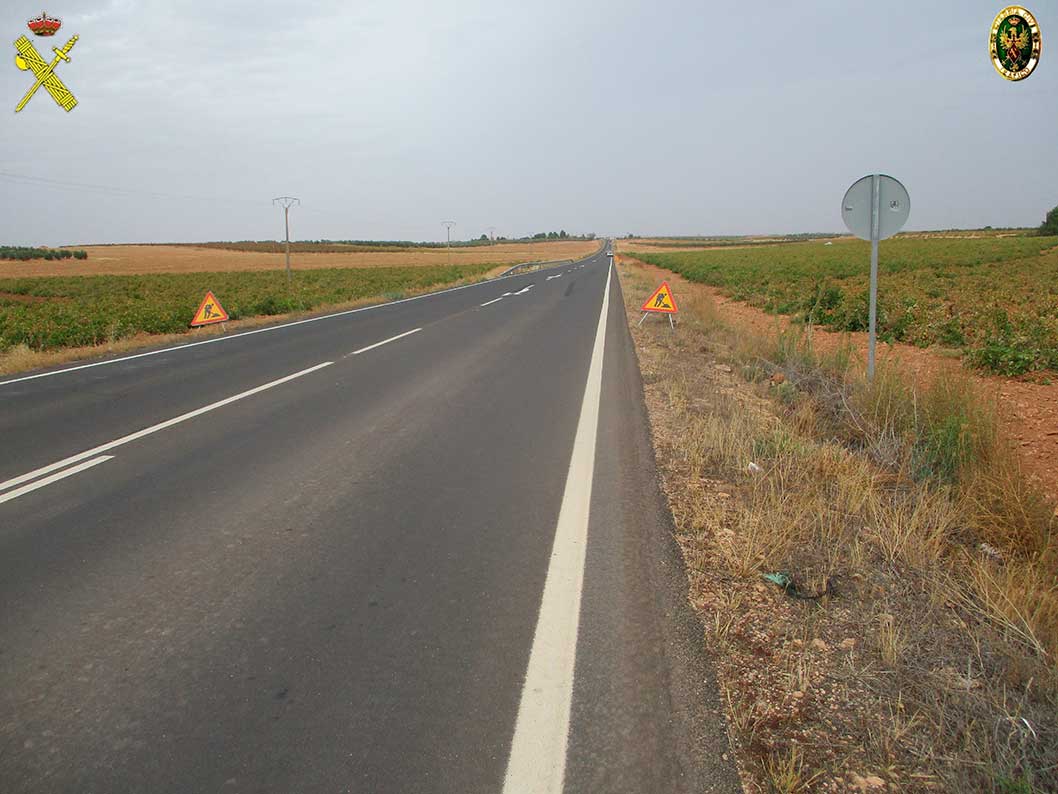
(819, 645)
(778, 378)
(753, 468)
(990, 551)
(956, 679)
(869, 783)
(847, 644)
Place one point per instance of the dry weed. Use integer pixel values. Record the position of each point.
(923, 655)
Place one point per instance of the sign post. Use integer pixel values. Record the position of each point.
(661, 301)
(874, 208)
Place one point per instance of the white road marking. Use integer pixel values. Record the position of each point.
(383, 342)
(489, 303)
(522, 291)
(537, 764)
(557, 275)
(155, 428)
(53, 478)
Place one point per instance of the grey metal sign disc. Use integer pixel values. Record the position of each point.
(894, 207)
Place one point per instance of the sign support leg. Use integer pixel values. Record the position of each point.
(873, 312)
(641, 319)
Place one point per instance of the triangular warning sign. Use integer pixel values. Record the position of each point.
(661, 300)
(209, 312)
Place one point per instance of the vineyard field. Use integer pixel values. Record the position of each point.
(50, 313)
(993, 298)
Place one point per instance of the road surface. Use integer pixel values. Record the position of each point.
(413, 548)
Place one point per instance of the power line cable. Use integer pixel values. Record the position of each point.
(112, 190)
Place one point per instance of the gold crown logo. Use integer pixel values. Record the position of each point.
(44, 25)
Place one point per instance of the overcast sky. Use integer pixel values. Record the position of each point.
(385, 118)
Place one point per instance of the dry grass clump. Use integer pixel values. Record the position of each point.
(961, 496)
(914, 647)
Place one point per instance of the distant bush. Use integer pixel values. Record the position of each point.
(357, 246)
(24, 254)
(1050, 224)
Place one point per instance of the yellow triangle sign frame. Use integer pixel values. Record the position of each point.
(661, 300)
(209, 311)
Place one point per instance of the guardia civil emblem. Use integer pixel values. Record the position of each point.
(1014, 43)
(29, 60)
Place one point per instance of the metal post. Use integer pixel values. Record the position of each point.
(286, 221)
(873, 312)
(286, 202)
(448, 225)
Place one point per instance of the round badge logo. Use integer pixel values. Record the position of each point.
(1014, 43)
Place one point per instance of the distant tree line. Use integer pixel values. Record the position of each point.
(24, 253)
(330, 246)
(1050, 224)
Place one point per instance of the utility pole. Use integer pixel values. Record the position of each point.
(492, 234)
(448, 225)
(286, 202)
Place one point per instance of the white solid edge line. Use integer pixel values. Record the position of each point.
(489, 303)
(226, 337)
(53, 478)
(154, 428)
(385, 341)
(537, 763)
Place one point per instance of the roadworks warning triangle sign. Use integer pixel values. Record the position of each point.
(661, 300)
(209, 312)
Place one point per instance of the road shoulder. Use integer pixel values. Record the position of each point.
(646, 709)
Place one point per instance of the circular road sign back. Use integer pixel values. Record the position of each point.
(894, 207)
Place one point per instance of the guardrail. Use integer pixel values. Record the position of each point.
(548, 262)
(510, 270)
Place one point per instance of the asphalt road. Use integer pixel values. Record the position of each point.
(298, 560)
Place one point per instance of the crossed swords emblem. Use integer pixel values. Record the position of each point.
(28, 59)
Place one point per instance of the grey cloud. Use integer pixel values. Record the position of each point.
(386, 117)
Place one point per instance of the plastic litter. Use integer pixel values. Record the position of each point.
(784, 581)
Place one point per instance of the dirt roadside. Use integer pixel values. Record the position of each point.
(875, 669)
(1028, 410)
